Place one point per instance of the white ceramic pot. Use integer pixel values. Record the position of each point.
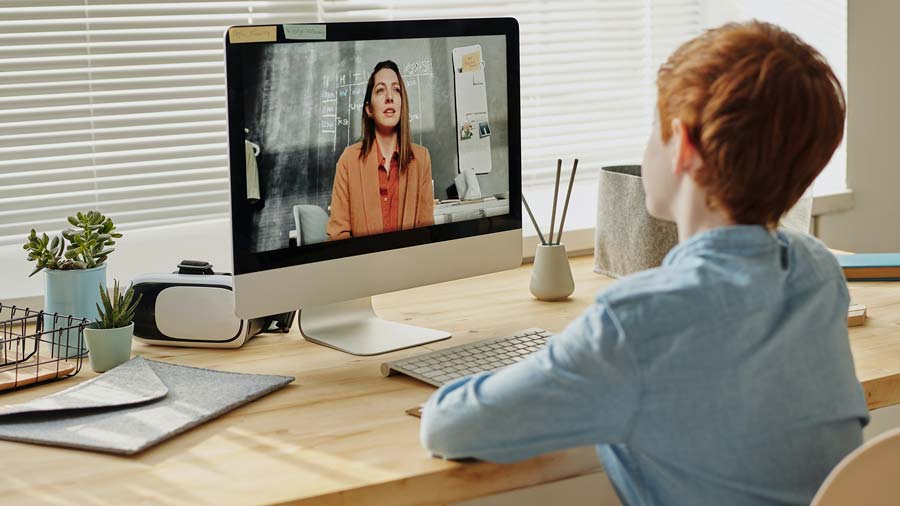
(551, 276)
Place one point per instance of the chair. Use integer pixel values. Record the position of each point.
(310, 223)
(869, 475)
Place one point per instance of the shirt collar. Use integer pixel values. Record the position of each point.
(381, 158)
(741, 240)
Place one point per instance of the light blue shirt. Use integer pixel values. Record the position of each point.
(723, 377)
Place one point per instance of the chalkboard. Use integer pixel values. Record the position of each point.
(303, 106)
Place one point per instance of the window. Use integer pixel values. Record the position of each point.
(119, 105)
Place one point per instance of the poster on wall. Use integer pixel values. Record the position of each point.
(472, 118)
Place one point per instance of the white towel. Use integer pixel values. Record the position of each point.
(252, 173)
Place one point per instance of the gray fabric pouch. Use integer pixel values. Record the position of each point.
(627, 238)
(133, 406)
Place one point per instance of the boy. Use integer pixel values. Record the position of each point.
(725, 375)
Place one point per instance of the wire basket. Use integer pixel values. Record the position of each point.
(36, 346)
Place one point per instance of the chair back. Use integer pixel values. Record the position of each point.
(310, 222)
(870, 475)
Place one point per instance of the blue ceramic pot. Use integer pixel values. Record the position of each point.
(72, 292)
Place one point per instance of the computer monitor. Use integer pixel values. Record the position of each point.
(349, 180)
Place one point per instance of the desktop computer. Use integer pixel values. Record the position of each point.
(367, 158)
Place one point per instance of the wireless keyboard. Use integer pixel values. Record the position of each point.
(439, 367)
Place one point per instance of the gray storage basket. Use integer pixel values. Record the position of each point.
(627, 238)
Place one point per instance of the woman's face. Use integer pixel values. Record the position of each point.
(386, 103)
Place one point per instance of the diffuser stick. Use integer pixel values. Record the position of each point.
(533, 221)
(562, 221)
(555, 195)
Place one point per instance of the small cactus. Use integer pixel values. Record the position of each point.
(118, 311)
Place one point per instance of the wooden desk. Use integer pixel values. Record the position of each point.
(339, 435)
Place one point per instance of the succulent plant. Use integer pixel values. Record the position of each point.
(85, 246)
(118, 310)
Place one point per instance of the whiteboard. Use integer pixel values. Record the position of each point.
(473, 127)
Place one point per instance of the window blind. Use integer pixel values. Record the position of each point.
(119, 105)
(588, 70)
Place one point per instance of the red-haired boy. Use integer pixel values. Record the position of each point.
(723, 377)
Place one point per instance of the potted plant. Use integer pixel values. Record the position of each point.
(74, 263)
(109, 338)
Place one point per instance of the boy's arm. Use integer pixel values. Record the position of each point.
(582, 389)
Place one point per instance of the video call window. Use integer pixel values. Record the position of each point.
(357, 138)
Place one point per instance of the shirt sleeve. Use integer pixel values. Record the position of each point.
(583, 388)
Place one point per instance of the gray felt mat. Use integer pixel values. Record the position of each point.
(133, 407)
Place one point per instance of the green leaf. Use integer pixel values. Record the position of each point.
(104, 298)
(126, 299)
(99, 312)
(133, 308)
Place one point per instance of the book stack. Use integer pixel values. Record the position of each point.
(871, 266)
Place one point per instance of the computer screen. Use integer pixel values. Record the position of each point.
(346, 140)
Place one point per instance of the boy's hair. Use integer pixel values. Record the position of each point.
(763, 109)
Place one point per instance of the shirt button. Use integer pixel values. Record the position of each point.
(385, 199)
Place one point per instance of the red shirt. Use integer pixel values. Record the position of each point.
(389, 188)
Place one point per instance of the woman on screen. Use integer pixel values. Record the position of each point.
(382, 183)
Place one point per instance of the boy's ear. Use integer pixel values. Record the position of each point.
(686, 157)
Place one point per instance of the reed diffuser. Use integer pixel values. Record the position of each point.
(551, 276)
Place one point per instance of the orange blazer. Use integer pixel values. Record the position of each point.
(356, 201)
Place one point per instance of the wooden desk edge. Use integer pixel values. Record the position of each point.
(882, 392)
(465, 481)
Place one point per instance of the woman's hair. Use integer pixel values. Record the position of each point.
(404, 134)
(764, 110)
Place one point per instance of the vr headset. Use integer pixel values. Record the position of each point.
(194, 306)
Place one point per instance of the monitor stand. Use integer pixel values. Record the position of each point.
(354, 328)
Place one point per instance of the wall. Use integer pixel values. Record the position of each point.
(872, 130)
